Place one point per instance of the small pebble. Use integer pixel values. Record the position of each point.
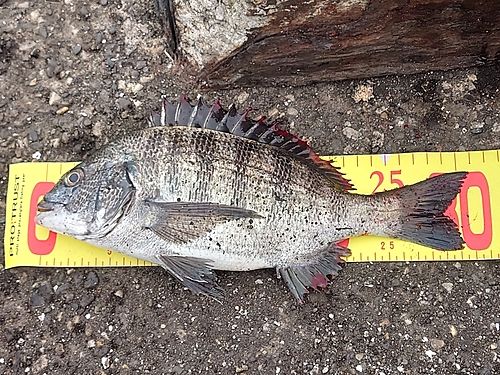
(351, 133)
(84, 11)
(42, 31)
(54, 98)
(242, 98)
(123, 103)
(363, 93)
(436, 344)
(62, 110)
(76, 49)
(99, 38)
(430, 353)
(119, 293)
(273, 112)
(448, 287)
(241, 368)
(91, 280)
(86, 300)
(453, 330)
(292, 111)
(477, 127)
(33, 136)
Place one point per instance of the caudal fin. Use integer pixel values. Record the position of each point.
(423, 206)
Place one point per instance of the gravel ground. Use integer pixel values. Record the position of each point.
(74, 74)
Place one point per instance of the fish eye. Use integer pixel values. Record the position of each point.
(74, 177)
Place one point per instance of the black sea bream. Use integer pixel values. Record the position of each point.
(204, 188)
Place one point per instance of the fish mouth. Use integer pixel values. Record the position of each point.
(45, 206)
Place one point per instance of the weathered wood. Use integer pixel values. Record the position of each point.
(304, 42)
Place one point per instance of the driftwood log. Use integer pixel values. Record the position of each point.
(296, 42)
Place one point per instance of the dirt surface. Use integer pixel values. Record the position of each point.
(74, 74)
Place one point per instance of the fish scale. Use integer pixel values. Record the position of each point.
(212, 189)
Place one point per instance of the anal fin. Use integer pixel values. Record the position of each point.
(194, 273)
(314, 271)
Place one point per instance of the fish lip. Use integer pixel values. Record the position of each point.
(45, 206)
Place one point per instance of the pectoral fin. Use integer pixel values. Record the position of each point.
(194, 273)
(181, 222)
(314, 271)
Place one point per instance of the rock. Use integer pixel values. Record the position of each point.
(448, 287)
(42, 31)
(123, 103)
(242, 98)
(86, 300)
(453, 330)
(84, 11)
(54, 98)
(91, 280)
(351, 133)
(76, 49)
(62, 110)
(292, 111)
(477, 127)
(41, 295)
(436, 344)
(97, 129)
(395, 282)
(363, 93)
(241, 368)
(33, 136)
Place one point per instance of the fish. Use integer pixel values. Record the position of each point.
(202, 188)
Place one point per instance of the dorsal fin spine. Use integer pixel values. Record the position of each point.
(163, 115)
(192, 117)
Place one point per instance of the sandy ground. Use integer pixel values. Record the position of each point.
(74, 74)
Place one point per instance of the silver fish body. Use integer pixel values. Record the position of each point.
(196, 199)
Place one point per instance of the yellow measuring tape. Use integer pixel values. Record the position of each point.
(27, 244)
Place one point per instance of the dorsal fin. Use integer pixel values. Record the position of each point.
(217, 118)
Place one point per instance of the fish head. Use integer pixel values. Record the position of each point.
(88, 201)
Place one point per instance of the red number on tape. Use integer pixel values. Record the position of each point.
(37, 246)
(395, 180)
(476, 241)
(380, 176)
(380, 179)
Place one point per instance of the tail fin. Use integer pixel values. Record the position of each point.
(423, 205)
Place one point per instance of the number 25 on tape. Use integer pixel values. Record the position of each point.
(474, 180)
